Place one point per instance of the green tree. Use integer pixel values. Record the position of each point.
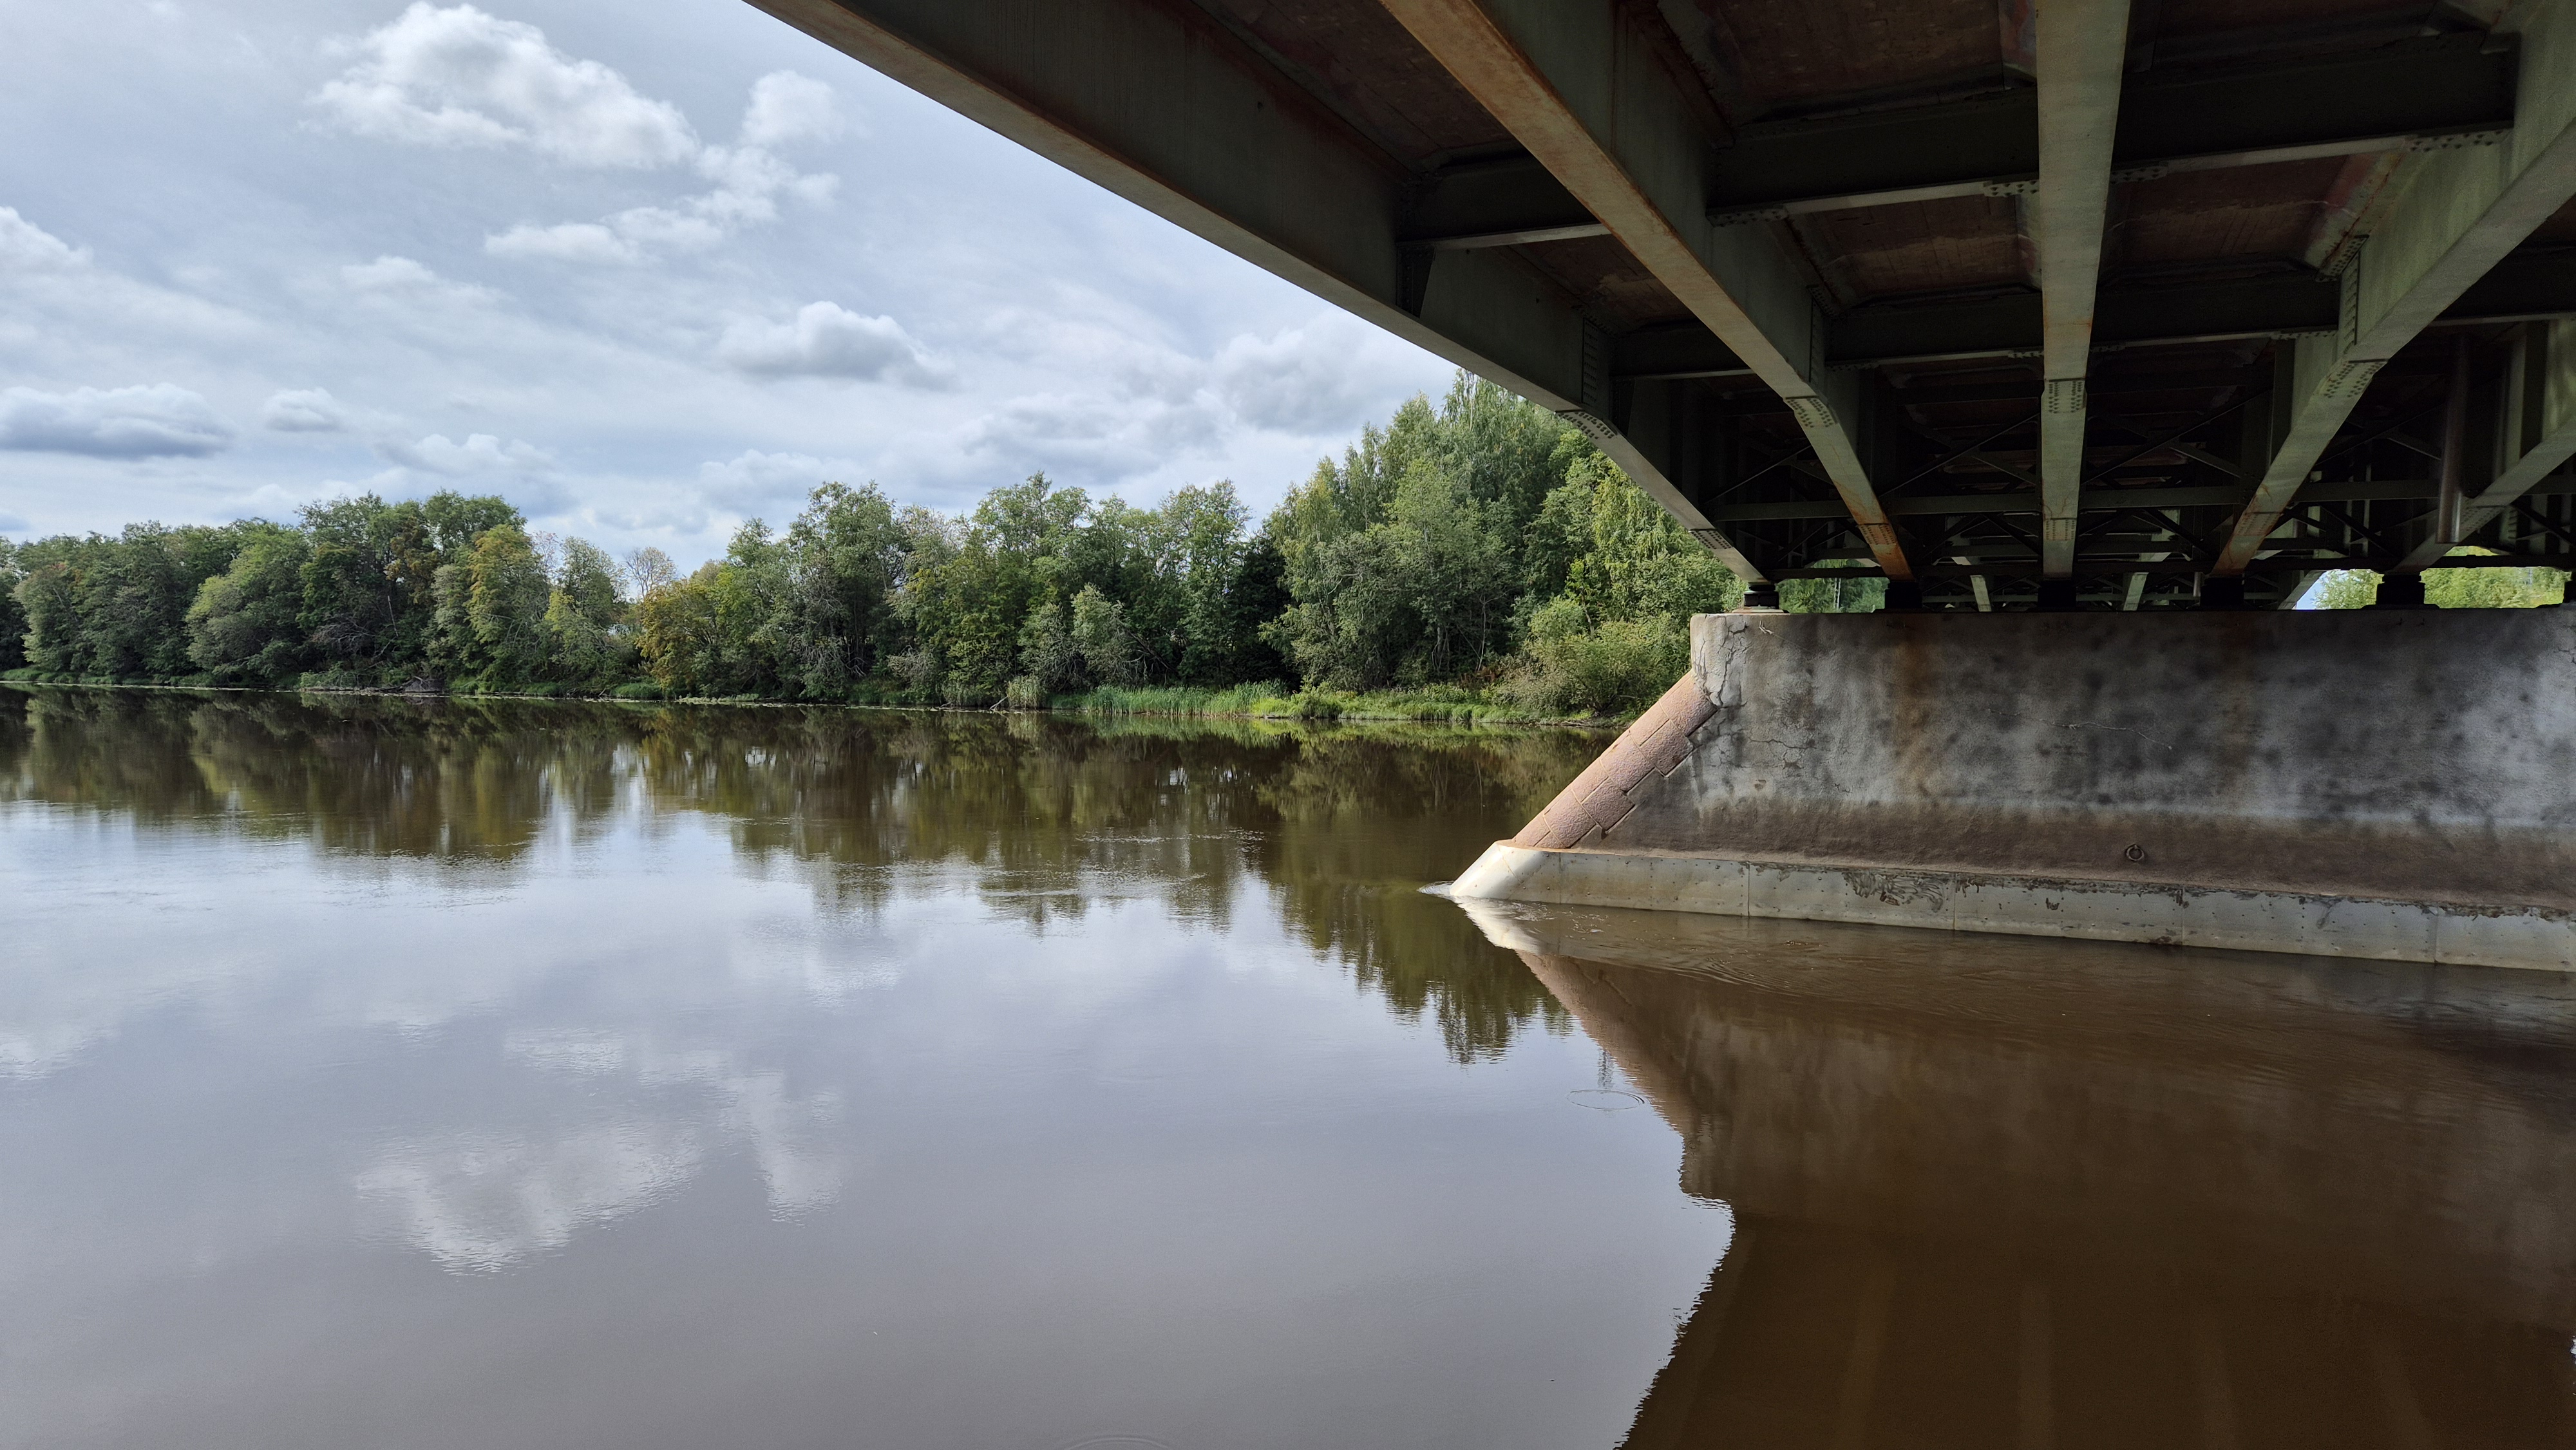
(370, 582)
(1049, 659)
(845, 559)
(13, 616)
(967, 596)
(116, 608)
(1108, 647)
(48, 599)
(585, 615)
(244, 626)
(2490, 588)
(1421, 595)
(1860, 594)
(679, 636)
(490, 619)
(1600, 539)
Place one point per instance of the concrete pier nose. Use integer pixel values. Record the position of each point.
(2396, 786)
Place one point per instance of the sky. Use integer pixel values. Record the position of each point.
(646, 271)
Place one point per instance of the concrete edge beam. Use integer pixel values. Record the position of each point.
(2172, 914)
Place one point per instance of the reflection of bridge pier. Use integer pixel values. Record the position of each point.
(1990, 1193)
(1811, 1335)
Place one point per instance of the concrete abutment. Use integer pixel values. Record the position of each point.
(2389, 785)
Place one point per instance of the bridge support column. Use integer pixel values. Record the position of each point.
(2380, 784)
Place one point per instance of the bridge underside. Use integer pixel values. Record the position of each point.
(2122, 304)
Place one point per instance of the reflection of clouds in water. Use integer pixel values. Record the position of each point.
(478, 1203)
(827, 961)
(801, 1172)
(30, 1050)
(787, 1134)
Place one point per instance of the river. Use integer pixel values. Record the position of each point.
(396, 1073)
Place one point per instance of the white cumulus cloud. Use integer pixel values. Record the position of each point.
(27, 247)
(304, 410)
(159, 420)
(827, 340)
(788, 107)
(749, 179)
(1320, 378)
(458, 76)
(479, 453)
(566, 242)
(752, 481)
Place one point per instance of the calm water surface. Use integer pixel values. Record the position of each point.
(391, 1074)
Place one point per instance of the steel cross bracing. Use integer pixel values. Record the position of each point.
(2092, 303)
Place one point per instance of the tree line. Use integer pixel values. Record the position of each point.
(1479, 541)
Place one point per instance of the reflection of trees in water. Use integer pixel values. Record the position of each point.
(1042, 817)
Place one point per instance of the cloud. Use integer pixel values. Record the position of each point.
(788, 107)
(156, 421)
(567, 242)
(400, 290)
(479, 453)
(45, 277)
(1323, 377)
(826, 340)
(460, 77)
(27, 247)
(749, 178)
(304, 410)
(752, 480)
(629, 236)
(403, 277)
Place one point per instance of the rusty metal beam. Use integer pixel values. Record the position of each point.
(2459, 213)
(2083, 47)
(2538, 433)
(1584, 87)
(1169, 108)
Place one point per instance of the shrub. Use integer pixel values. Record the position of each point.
(1618, 666)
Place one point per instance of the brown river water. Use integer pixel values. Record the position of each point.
(380, 1073)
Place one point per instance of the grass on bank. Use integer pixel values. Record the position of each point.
(1449, 705)
(1271, 700)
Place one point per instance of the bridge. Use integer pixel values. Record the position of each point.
(2088, 308)
(2138, 304)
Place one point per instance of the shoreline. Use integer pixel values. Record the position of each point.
(1428, 714)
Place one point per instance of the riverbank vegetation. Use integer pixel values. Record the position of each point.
(2491, 588)
(1474, 559)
